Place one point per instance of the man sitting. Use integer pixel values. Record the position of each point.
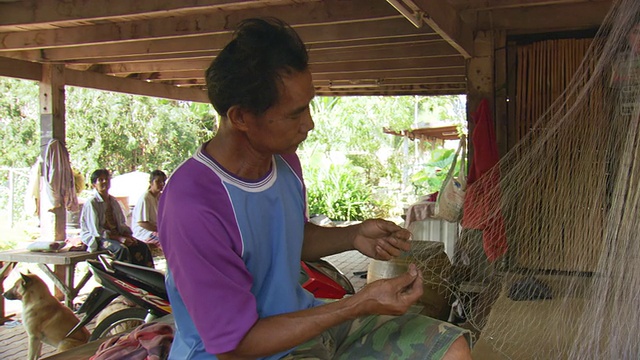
(103, 225)
(145, 226)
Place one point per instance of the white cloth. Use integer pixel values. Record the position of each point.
(32, 193)
(93, 217)
(58, 182)
(419, 211)
(146, 209)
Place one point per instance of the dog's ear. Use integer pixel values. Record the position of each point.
(25, 278)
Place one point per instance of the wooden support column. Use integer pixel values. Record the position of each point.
(480, 76)
(52, 126)
(500, 90)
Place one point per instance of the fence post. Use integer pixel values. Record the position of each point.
(11, 198)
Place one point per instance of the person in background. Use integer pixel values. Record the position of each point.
(233, 226)
(145, 226)
(103, 225)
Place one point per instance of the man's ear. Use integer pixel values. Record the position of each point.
(238, 117)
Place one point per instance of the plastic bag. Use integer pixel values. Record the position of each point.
(451, 196)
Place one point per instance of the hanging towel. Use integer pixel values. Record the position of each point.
(481, 208)
(58, 181)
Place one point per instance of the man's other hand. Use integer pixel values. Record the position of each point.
(381, 239)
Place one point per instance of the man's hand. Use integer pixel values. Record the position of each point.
(127, 241)
(391, 296)
(381, 239)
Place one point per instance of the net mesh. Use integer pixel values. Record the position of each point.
(546, 266)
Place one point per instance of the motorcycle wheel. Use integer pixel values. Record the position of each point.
(119, 322)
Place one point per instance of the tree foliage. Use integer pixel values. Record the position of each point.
(116, 131)
(19, 123)
(352, 168)
(126, 133)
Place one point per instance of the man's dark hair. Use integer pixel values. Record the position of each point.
(248, 70)
(156, 173)
(96, 174)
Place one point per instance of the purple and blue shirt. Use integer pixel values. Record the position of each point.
(233, 250)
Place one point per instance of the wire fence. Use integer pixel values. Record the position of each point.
(14, 183)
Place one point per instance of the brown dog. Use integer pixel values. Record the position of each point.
(45, 318)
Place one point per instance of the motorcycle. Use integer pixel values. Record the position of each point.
(140, 285)
(145, 288)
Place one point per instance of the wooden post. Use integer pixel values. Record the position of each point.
(480, 77)
(52, 125)
(500, 90)
(5, 269)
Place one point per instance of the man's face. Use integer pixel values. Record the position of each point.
(103, 183)
(158, 183)
(286, 124)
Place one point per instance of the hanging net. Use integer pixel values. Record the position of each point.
(547, 264)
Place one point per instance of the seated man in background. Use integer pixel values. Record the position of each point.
(145, 226)
(103, 225)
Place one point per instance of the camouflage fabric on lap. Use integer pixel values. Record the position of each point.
(410, 336)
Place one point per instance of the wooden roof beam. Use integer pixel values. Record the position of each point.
(539, 19)
(397, 90)
(31, 71)
(413, 58)
(442, 18)
(92, 80)
(19, 69)
(446, 21)
(61, 12)
(460, 80)
(408, 49)
(386, 31)
(375, 65)
(481, 5)
(326, 12)
(390, 73)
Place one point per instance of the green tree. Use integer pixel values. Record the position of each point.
(19, 127)
(353, 169)
(126, 133)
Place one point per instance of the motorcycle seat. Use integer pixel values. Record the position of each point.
(147, 275)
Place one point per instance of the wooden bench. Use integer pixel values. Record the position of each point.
(64, 263)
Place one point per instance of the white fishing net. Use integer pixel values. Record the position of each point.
(547, 264)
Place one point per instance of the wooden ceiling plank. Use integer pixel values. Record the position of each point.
(374, 65)
(326, 12)
(393, 81)
(406, 89)
(481, 5)
(386, 50)
(383, 52)
(45, 12)
(584, 15)
(410, 92)
(92, 80)
(177, 75)
(445, 20)
(337, 35)
(323, 63)
(390, 73)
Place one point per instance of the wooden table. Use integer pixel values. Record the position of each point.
(64, 263)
